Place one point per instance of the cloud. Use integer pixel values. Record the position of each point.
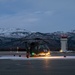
(44, 13)
(38, 12)
(21, 19)
(15, 6)
(40, 15)
(7, 0)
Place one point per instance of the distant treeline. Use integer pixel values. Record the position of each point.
(23, 49)
(7, 49)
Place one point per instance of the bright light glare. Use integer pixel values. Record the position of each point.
(52, 57)
(61, 51)
(44, 54)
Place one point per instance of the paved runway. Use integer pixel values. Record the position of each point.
(37, 66)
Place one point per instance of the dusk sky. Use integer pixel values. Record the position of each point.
(38, 15)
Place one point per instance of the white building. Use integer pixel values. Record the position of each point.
(63, 43)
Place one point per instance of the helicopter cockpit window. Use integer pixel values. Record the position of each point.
(42, 47)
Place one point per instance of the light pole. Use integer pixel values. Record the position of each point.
(17, 49)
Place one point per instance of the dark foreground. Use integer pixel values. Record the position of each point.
(37, 67)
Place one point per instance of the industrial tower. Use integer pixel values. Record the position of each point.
(63, 40)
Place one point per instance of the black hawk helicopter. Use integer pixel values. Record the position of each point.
(37, 47)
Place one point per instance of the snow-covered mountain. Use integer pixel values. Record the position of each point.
(14, 33)
(13, 38)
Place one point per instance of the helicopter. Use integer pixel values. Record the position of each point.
(37, 47)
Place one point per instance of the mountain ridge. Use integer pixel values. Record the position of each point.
(13, 38)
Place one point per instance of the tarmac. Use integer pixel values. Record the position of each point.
(55, 65)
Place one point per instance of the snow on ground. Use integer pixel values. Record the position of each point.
(36, 58)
